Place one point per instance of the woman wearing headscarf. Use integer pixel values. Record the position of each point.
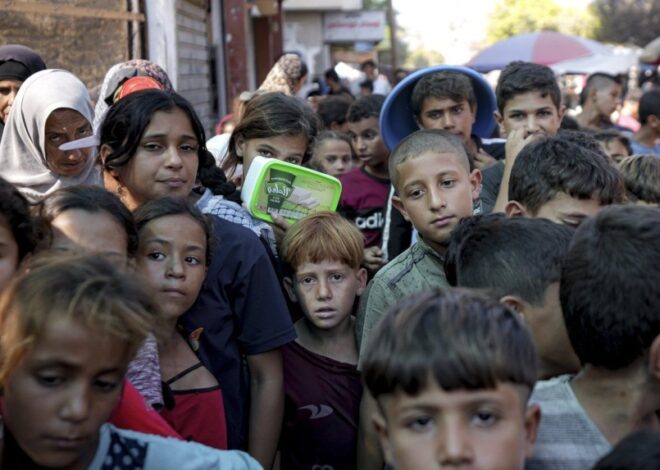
(52, 109)
(287, 75)
(17, 63)
(120, 73)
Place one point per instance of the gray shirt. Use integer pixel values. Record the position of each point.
(567, 439)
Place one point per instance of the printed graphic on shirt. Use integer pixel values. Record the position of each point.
(193, 338)
(317, 411)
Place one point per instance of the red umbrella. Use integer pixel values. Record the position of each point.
(543, 47)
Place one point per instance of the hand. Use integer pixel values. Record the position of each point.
(482, 160)
(373, 258)
(515, 142)
(280, 226)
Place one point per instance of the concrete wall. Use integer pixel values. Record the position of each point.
(88, 47)
(303, 33)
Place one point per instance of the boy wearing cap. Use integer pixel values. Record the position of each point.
(446, 100)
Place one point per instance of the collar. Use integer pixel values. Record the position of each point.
(428, 249)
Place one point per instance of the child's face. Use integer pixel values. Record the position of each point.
(334, 157)
(8, 253)
(62, 391)
(165, 163)
(567, 210)
(615, 150)
(534, 112)
(288, 148)
(456, 117)
(480, 429)
(436, 191)
(77, 230)
(326, 291)
(172, 260)
(607, 99)
(367, 142)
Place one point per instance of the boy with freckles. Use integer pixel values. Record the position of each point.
(435, 188)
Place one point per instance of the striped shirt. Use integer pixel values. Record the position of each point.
(567, 438)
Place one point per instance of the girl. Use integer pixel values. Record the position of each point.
(332, 153)
(69, 328)
(17, 234)
(51, 109)
(172, 257)
(152, 145)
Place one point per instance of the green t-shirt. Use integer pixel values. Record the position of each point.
(417, 269)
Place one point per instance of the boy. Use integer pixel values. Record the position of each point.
(434, 190)
(645, 140)
(452, 372)
(599, 99)
(323, 254)
(366, 188)
(519, 261)
(446, 100)
(332, 111)
(615, 145)
(529, 106)
(610, 297)
(641, 178)
(559, 180)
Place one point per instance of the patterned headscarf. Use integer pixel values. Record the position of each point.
(284, 76)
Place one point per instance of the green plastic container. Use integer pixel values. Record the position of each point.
(291, 191)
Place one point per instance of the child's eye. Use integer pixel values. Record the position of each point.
(448, 183)
(336, 277)
(189, 148)
(156, 256)
(266, 153)
(307, 280)
(516, 116)
(294, 160)
(458, 109)
(484, 418)
(435, 115)
(106, 386)
(50, 380)
(420, 424)
(331, 159)
(544, 113)
(193, 260)
(415, 193)
(151, 146)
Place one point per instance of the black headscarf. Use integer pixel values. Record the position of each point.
(18, 63)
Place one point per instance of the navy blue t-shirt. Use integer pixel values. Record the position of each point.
(240, 311)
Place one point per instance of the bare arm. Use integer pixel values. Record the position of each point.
(266, 405)
(369, 454)
(514, 144)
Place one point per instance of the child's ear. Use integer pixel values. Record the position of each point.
(240, 146)
(362, 280)
(104, 153)
(654, 358)
(561, 111)
(290, 290)
(380, 426)
(475, 181)
(532, 420)
(396, 202)
(516, 304)
(515, 209)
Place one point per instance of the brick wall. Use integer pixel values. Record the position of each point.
(88, 47)
(194, 67)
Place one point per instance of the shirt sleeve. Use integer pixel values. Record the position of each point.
(373, 306)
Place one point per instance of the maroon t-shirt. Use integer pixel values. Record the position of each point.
(363, 202)
(321, 411)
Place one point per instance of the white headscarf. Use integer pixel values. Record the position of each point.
(22, 150)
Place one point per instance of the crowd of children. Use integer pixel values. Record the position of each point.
(472, 303)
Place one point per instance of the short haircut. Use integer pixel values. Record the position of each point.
(365, 107)
(169, 206)
(649, 105)
(510, 256)
(522, 77)
(639, 450)
(91, 199)
(321, 237)
(85, 289)
(15, 210)
(609, 286)
(641, 178)
(368, 63)
(331, 74)
(367, 84)
(449, 84)
(608, 136)
(422, 141)
(333, 109)
(597, 81)
(460, 339)
(554, 165)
